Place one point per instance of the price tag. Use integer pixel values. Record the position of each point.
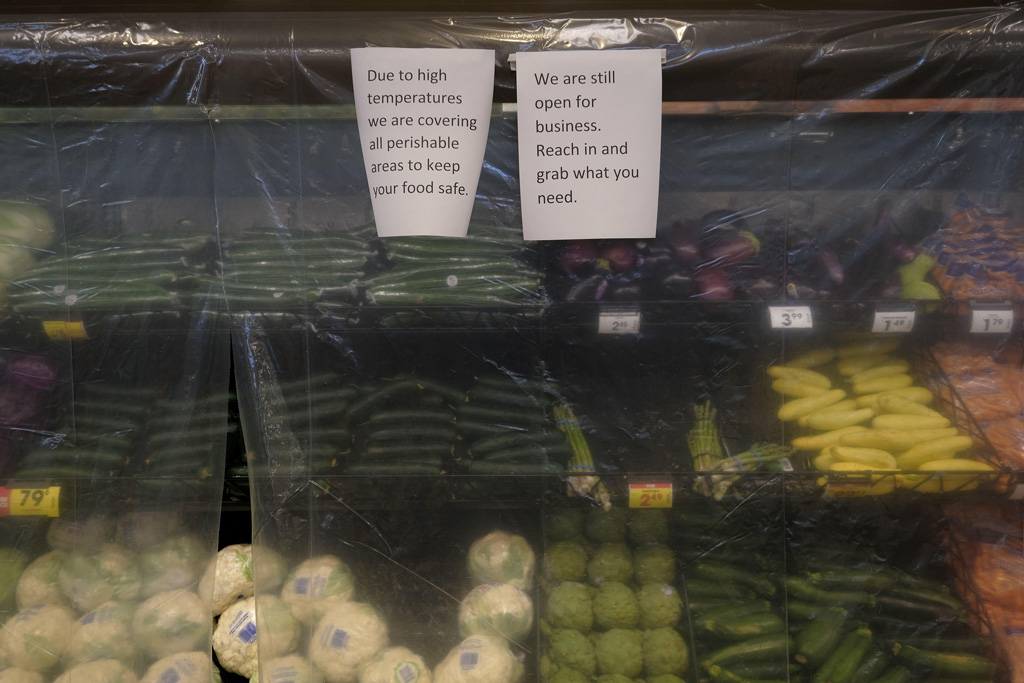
(791, 317)
(1018, 492)
(64, 330)
(619, 321)
(892, 321)
(847, 489)
(650, 495)
(991, 320)
(36, 502)
(785, 465)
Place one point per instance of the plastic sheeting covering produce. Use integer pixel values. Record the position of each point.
(431, 465)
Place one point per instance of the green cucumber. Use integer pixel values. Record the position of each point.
(854, 580)
(384, 419)
(402, 450)
(732, 610)
(393, 469)
(504, 469)
(841, 664)
(501, 415)
(718, 589)
(807, 591)
(798, 610)
(816, 641)
(746, 627)
(922, 595)
(871, 666)
(972, 644)
(481, 447)
(361, 409)
(474, 429)
(451, 394)
(918, 611)
(720, 675)
(722, 571)
(763, 648)
(561, 453)
(699, 605)
(515, 398)
(413, 433)
(895, 674)
(957, 664)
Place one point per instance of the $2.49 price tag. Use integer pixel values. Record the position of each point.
(650, 495)
(618, 321)
(44, 502)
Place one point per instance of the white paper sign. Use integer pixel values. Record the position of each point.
(423, 119)
(589, 143)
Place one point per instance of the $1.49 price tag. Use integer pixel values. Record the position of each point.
(893, 321)
(790, 317)
(44, 502)
(650, 495)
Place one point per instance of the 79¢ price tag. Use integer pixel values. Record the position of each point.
(991, 320)
(43, 502)
(790, 317)
(650, 495)
(618, 321)
(893, 321)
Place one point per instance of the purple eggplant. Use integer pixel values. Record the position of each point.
(685, 243)
(713, 284)
(732, 248)
(576, 256)
(588, 289)
(620, 255)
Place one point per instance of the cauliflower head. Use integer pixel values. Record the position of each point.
(564, 524)
(665, 652)
(496, 609)
(79, 535)
(91, 579)
(39, 583)
(620, 651)
(173, 564)
(183, 667)
(570, 648)
(251, 627)
(610, 562)
(347, 638)
(316, 586)
(479, 659)
(12, 563)
(100, 671)
(171, 622)
(228, 578)
(605, 526)
(647, 525)
(570, 605)
(396, 665)
(565, 561)
(501, 557)
(104, 633)
(654, 563)
(37, 637)
(659, 605)
(13, 675)
(615, 606)
(288, 669)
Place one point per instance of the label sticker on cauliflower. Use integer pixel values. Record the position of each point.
(339, 639)
(285, 674)
(407, 672)
(169, 676)
(468, 660)
(243, 627)
(302, 585)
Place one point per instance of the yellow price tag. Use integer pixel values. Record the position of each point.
(650, 495)
(37, 502)
(65, 330)
(847, 489)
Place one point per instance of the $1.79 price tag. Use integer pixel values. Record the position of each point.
(991, 320)
(36, 502)
(650, 495)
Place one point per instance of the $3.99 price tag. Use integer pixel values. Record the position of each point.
(42, 502)
(650, 495)
(790, 317)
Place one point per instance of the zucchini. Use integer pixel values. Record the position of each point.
(718, 589)
(763, 648)
(384, 419)
(482, 447)
(888, 605)
(413, 433)
(722, 571)
(474, 429)
(501, 415)
(926, 595)
(843, 662)
(560, 453)
(451, 394)
(720, 675)
(956, 664)
(361, 409)
(816, 641)
(798, 610)
(869, 580)
(805, 590)
(871, 666)
(745, 627)
(733, 610)
(402, 450)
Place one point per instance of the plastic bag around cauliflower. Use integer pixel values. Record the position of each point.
(316, 586)
(396, 665)
(12, 564)
(142, 529)
(496, 609)
(348, 637)
(79, 535)
(40, 582)
(37, 637)
(501, 557)
(171, 622)
(287, 669)
(479, 659)
(184, 667)
(104, 633)
(14, 675)
(100, 671)
(90, 579)
(251, 628)
(173, 564)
